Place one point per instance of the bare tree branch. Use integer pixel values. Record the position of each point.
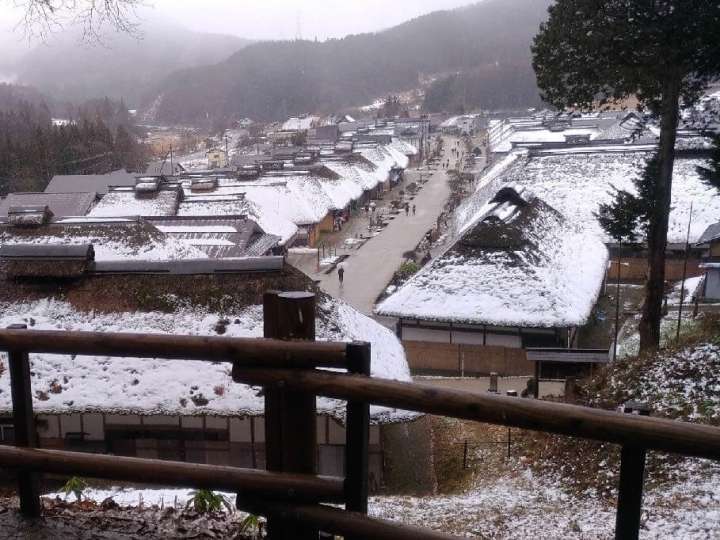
(43, 17)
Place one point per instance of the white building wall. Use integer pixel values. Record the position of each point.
(712, 284)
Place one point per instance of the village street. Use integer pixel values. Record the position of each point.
(369, 269)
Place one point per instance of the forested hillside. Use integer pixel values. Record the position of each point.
(100, 139)
(486, 87)
(271, 80)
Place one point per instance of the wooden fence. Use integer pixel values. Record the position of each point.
(289, 493)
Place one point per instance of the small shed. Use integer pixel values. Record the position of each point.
(147, 184)
(248, 171)
(205, 183)
(29, 216)
(46, 261)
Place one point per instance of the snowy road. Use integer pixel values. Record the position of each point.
(370, 268)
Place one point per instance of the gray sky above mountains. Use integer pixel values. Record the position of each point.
(270, 19)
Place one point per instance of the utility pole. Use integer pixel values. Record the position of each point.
(682, 286)
(617, 301)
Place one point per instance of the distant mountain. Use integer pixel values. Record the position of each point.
(122, 66)
(271, 80)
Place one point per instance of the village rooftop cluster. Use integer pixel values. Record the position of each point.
(191, 245)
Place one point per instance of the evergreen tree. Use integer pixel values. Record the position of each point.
(711, 173)
(33, 150)
(627, 218)
(594, 52)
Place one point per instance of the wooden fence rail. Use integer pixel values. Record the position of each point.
(174, 473)
(559, 418)
(248, 351)
(289, 492)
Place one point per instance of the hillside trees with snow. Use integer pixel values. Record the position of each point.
(664, 53)
(33, 149)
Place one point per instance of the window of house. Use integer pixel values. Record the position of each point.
(7, 433)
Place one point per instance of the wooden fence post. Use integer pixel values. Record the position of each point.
(357, 433)
(290, 416)
(493, 383)
(630, 491)
(24, 423)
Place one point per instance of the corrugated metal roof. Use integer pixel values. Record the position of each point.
(164, 168)
(45, 251)
(60, 204)
(575, 356)
(192, 267)
(97, 183)
(219, 237)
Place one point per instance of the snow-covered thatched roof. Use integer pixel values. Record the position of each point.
(126, 202)
(711, 234)
(303, 123)
(227, 304)
(576, 183)
(116, 239)
(519, 263)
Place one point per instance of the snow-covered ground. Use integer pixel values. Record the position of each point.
(524, 505)
(691, 287)
(519, 504)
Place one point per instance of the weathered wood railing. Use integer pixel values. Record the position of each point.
(289, 492)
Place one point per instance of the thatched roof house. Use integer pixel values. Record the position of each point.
(113, 239)
(175, 409)
(204, 302)
(219, 237)
(521, 264)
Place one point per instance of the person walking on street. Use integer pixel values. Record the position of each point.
(341, 272)
(413, 209)
(407, 209)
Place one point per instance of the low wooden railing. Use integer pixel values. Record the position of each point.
(289, 492)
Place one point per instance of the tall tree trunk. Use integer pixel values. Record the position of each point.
(658, 226)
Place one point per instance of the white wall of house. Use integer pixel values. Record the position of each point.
(712, 284)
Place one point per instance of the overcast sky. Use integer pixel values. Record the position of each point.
(275, 19)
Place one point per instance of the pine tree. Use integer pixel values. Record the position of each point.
(627, 218)
(711, 173)
(593, 52)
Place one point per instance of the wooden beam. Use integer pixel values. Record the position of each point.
(357, 436)
(290, 413)
(24, 424)
(344, 523)
(585, 422)
(249, 352)
(175, 473)
(630, 491)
